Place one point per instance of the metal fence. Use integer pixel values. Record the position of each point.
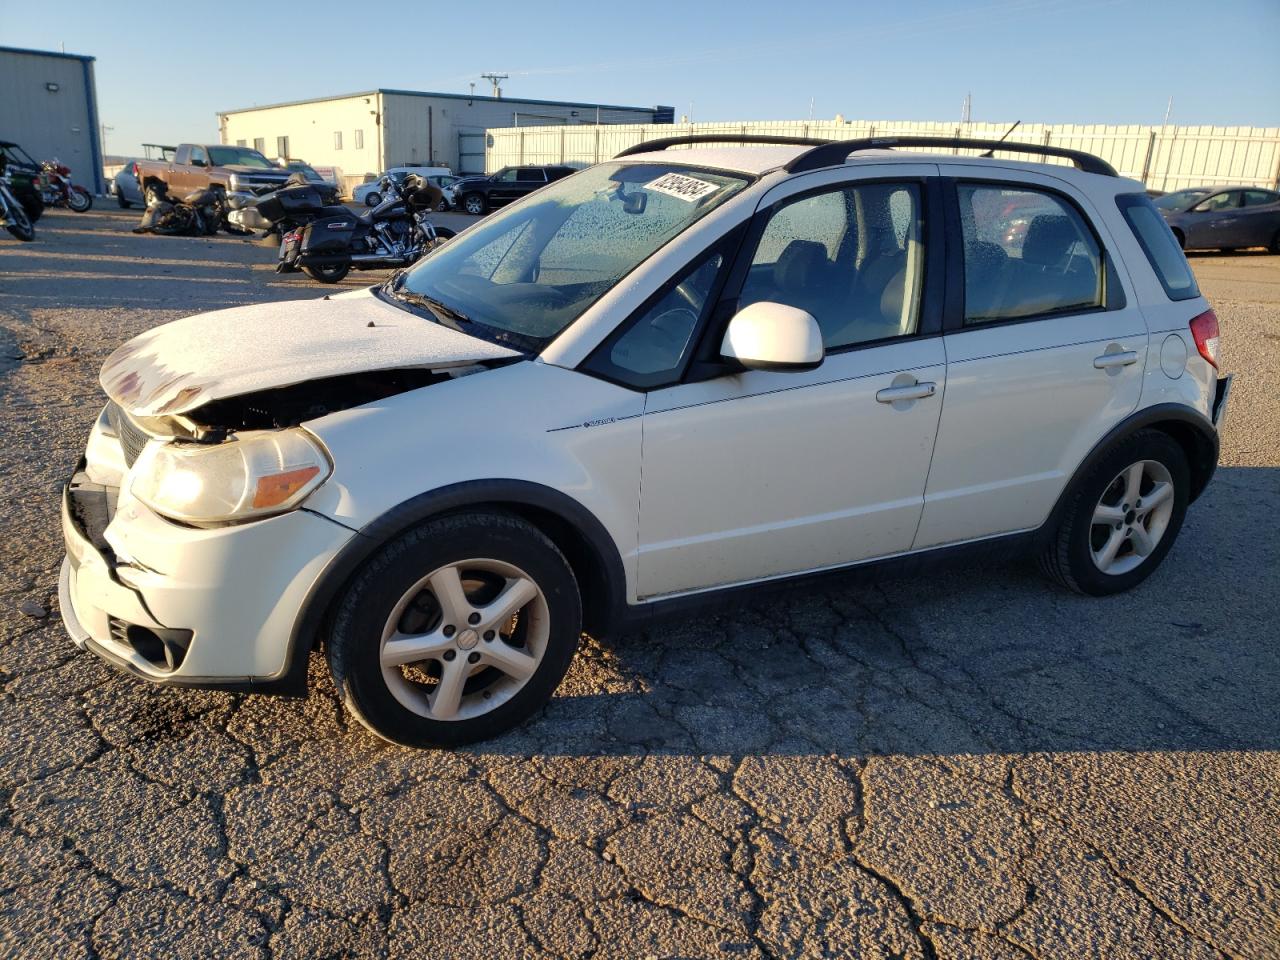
(1162, 157)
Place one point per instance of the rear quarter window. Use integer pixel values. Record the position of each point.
(1160, 246)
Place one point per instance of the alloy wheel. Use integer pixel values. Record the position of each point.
(464, 639)
(1131, 517)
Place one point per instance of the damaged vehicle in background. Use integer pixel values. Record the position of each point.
(437, 481)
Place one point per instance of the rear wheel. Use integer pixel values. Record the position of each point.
(1181, 238)
(79, 200)
(442, 206)
(456, 631)
(329, 273)
(1123, 518)
(474, 204)
(123, 203)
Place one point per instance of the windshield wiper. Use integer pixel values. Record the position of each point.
(441, 311)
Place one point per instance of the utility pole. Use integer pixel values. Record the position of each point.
(1168, 111)
(495, 79)
(966, 111)
(103, 128)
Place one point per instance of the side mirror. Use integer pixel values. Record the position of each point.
(773, 336)
(1201, 207)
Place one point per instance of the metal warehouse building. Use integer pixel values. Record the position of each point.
(367, 132)
(49, 105)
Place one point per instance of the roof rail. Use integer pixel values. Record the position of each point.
(666, 142)
(837, 151)
(828, 153)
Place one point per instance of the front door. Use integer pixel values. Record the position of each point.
(1047, 356)
(748, 475)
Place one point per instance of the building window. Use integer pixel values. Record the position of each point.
(259, 144)
(242, 143)
(359, 139)
(282, 147)
(337, 139)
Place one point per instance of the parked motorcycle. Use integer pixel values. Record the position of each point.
(199, 213)
(395, 233)
(57, 190)
(279, 211)
(12, 216)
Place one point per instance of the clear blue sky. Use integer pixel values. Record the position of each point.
(1058, 61)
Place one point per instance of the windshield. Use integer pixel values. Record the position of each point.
(239, 157)
(525, 274)
(1180, 199)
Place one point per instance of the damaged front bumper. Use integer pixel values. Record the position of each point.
(185, 605)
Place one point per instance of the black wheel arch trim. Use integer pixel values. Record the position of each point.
(533, 501)
(1189, 425)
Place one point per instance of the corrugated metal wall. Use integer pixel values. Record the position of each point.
(59, 123)
(1165, 158)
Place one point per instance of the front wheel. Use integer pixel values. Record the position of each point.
(19, 223)
(79, 200)
(456, 631)
(1123, 518)
(372, 199)
(152, 194)
(329, 273)
(474, 204)
(442, 206)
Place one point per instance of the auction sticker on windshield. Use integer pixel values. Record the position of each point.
(678, 185)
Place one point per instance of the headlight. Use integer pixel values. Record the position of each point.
(255, 475)
(234, 182)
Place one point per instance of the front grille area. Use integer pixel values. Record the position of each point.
(132, 438)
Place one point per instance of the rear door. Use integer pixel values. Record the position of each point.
(1046, 349)
(753, 474)
(1259, 218)
(529, 179)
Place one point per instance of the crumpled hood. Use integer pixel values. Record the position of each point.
(185, 364)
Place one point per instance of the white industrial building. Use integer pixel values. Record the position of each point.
(49, 105)
(367, 132)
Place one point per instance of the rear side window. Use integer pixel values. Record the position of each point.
(1027, 253)
(531, 175)
(1160, 246)
(1258, 198)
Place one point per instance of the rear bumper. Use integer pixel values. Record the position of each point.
(1221, 397)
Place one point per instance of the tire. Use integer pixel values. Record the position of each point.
(33, 205)
(123, 203)
(443, 235)
(393, 592)
(442, 206)
(20, 224)
(372, 199)
(475, 204)
(330, 273)
(1181, 238)
(1076, 557)
(79, 200)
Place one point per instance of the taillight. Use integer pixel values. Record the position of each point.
(136, 174)
(1204, 329)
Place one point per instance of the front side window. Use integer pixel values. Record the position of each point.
(851, 257)
(521, 276)
(1159, 244)
(1220, 201)
(1027, 253)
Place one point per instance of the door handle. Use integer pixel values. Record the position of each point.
(910, 391)
(1121, 359)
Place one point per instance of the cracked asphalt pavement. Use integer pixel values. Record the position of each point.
(968, 764)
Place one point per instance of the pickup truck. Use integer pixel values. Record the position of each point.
(239, 172)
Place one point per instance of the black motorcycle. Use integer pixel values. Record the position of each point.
(331, 241)
(197, 214)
